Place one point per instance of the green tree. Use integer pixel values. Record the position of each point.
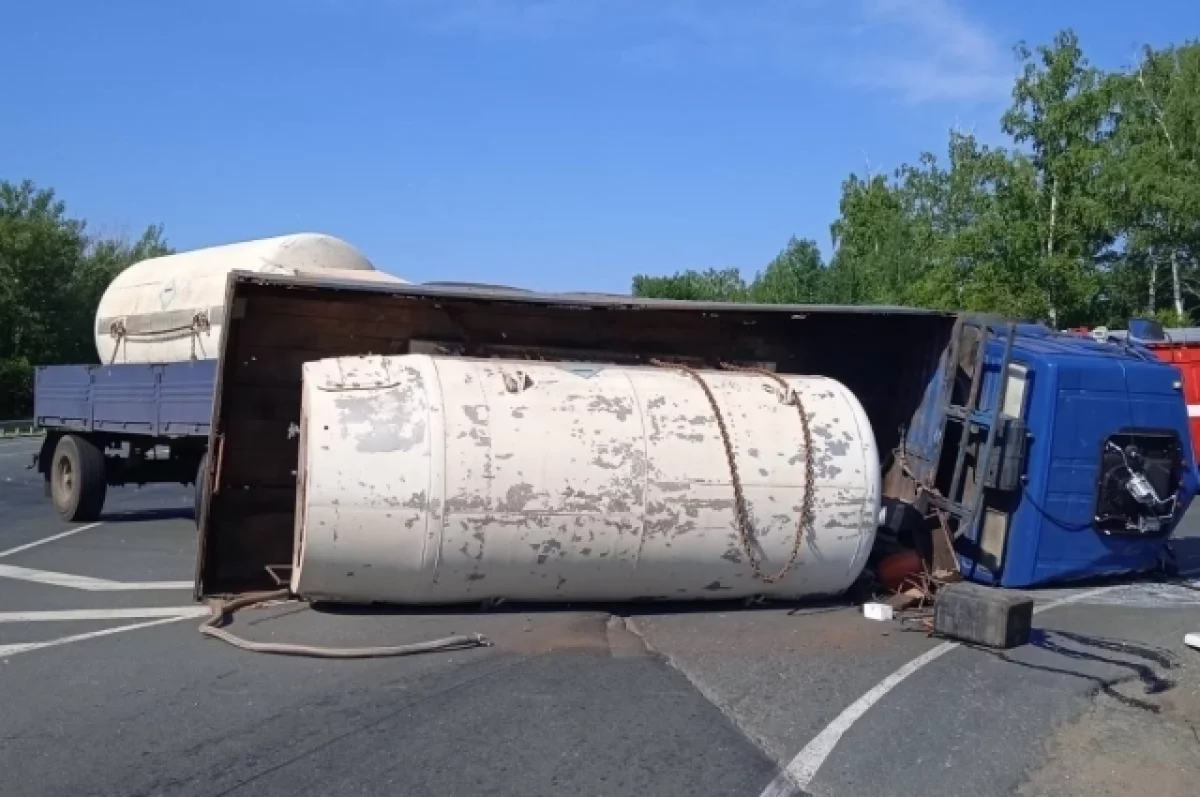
(1062, 111)
(713, 285)
(875, 244)
(795, 276)
(52, 274)
(1155, 187)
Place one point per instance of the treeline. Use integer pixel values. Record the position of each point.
(1091, 216)
(52, 274)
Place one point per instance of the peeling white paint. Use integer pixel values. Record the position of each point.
(430, 480)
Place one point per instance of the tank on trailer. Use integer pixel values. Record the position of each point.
(157, 334)
(172, 308)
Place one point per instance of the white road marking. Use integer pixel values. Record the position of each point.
(86, 582)
(103, 614)
(51, 538)
(799, 773)
(25, 647)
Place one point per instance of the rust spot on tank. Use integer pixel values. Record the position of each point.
(585, 551)
(660, 525)
(580, 501)
(764, 472)
(617, 505)
(480, 436)
(517, 497)
(476, 577)
(561, 581)
(692, 506)
(519, 412)
(733, 555)
(715, 586)
(614, 405)
(466, 503)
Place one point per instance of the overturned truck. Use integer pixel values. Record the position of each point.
(449, 443)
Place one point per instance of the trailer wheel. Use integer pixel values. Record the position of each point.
(200, 485)
(78, 481)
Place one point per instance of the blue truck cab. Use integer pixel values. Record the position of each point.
(1090, 468)
(120, 424)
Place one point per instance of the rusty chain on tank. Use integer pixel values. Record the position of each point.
(119, 333)
(743, 516)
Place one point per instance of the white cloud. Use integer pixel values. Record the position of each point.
(937, 53)
(917, 50)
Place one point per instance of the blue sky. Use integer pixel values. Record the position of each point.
(552, 144)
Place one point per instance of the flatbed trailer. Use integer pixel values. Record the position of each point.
(113, 425)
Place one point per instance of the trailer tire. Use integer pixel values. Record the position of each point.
(200, 485)
(78, 479)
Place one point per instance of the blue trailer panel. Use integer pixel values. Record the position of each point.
(1093, 465)
(120, 424)
(168, 400)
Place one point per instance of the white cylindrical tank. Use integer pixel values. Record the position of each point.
(172, 308)
(442, 480)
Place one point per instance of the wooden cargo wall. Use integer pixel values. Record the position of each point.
(886, 358)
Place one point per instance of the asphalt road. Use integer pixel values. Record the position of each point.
(124, 697)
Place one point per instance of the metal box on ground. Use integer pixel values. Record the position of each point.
(983, 616)
(1091, 465)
